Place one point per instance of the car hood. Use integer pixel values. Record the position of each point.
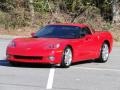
(38, 42)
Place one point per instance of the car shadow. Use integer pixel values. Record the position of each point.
(24, 65)
(83, 62)
(4, 63)
(29, 65)
(80, 63)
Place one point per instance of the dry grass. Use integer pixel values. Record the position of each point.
(24, 31)
(97, 22)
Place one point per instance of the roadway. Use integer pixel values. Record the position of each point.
(82, 76)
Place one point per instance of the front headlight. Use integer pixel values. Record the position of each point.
(12, 44)
(54, 46)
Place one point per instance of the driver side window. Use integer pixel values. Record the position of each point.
(84, 31)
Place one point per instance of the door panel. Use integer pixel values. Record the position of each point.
(91, 46)
(79, 50)
(85, 47)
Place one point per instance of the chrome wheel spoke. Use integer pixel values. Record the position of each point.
(68, 57)
(105, 52)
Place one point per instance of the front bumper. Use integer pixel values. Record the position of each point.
(41, 58)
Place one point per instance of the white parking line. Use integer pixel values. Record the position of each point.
(50, 78)
(98, 69)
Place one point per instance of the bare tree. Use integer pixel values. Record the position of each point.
(32, 12)
(116, 11)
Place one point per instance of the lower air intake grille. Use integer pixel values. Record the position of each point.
(28, 57)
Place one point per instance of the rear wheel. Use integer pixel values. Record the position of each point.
(66, 58)
(104, 54)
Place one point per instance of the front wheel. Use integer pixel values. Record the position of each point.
(104, 54)
(66, 58)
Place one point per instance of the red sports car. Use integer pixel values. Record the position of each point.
(61, 44)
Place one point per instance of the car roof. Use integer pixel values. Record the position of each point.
(71, 24)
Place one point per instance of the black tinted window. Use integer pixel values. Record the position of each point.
(58, 31)
(86, 31)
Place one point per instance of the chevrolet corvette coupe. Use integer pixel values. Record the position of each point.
(61, 44)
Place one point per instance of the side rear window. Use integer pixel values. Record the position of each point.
(86, 31)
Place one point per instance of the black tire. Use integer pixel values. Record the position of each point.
(104, 53)
(66, 63)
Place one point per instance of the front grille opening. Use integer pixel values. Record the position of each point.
(28, 57)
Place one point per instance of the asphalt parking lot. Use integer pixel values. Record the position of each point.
(82, 76)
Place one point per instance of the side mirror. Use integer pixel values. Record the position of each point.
(32, 34)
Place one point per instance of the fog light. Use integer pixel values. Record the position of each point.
(52, 58)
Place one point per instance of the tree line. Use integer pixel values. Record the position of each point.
(26, 12)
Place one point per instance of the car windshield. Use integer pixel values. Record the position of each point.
(58, 31)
